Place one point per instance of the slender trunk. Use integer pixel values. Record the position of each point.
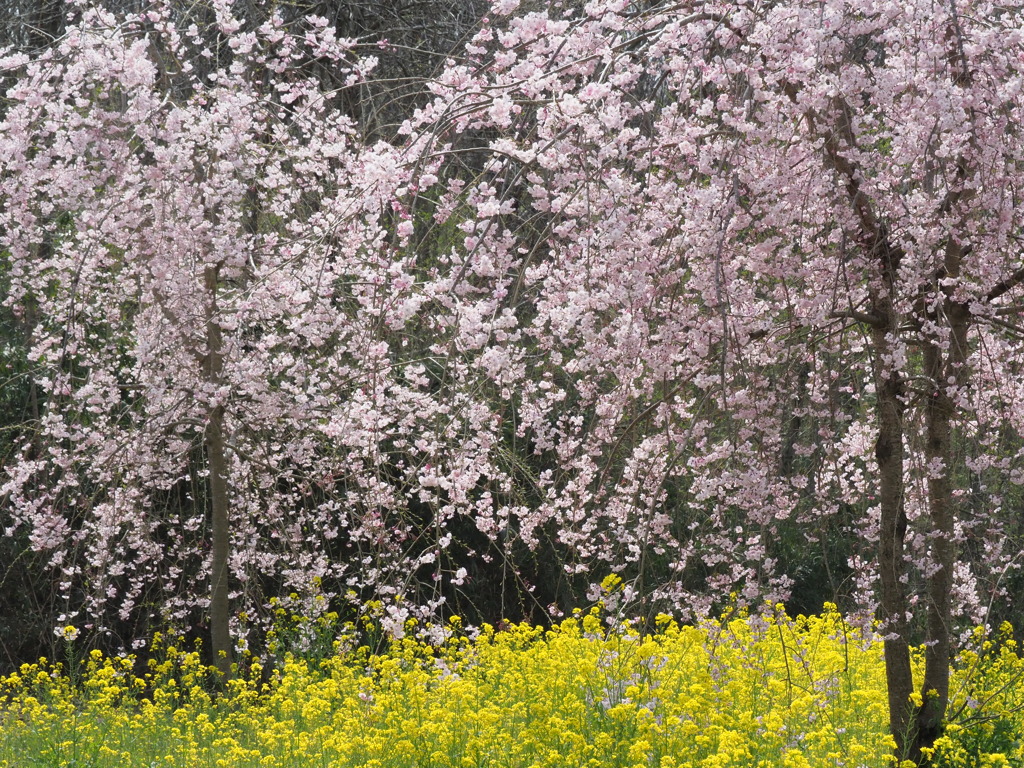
(30, 321)
(794, 423)
(34, 410)
(889, 454)
(891, 535)
(942, 370)
(220, 634)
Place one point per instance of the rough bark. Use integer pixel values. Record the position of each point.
(890, 405)
(220, 535)
(945, 365)
(891, 536)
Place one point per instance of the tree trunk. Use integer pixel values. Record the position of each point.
(220, 635)
(943, 367)
(220, 534)
(891, 535)
(890, 404)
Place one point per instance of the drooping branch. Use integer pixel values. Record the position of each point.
(1005, 286)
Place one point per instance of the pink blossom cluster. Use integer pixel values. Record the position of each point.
(636, 332)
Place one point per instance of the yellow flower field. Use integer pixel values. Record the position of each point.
(743, 692)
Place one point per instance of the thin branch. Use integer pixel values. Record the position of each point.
(861, 317)
(1004, 286)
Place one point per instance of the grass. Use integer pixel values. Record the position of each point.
(750, 692)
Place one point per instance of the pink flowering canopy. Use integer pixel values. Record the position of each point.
(704, 235)
(682, 292)
(152, 213)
